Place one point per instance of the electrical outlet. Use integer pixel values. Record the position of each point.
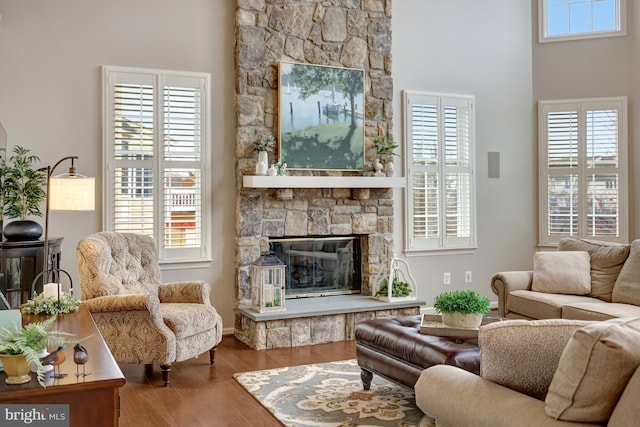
(447, 278)
(467, 277)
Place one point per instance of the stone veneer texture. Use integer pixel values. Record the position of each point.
(342, 33)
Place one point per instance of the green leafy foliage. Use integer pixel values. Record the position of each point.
(465, 302)
(31, 339)
(266, 143)
(398, 289)
(384, 146)
(23, 185)
(50, 305)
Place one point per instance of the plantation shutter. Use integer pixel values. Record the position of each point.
(156, 178)
(583, 181)
(439, 133)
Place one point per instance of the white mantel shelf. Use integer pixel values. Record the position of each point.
(254, 181)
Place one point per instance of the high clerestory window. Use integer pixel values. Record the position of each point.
(580, 19)
(156, 144)
(583, 170)
(439, 139)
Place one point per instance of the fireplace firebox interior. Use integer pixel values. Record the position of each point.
(319, 266)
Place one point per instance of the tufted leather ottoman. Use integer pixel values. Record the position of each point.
(395, 349)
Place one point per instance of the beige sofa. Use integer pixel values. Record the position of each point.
(612, 291)
(541, 373)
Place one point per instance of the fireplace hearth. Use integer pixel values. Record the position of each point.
(319, 266)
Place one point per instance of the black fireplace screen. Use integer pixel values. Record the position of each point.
(319, 266)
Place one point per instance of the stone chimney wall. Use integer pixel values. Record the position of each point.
(341, 33)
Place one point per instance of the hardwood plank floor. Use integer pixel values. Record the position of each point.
(203, 395)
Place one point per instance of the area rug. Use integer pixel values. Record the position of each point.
(331, 395)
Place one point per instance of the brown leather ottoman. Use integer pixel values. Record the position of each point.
(395, 349)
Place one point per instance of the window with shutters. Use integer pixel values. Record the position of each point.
(583, 169)
(439, 139)
(580, 19)
(156, 141)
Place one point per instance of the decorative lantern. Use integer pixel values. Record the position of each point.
(267, 283)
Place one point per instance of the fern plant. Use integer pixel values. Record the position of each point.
(31, 339)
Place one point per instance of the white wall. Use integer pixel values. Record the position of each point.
(596, 68)
(50, 99)
(482, 49)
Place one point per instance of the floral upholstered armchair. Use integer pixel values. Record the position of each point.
(142, 320)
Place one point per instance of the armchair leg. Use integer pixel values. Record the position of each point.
(212, 352)
(148, 371)
(166, 368)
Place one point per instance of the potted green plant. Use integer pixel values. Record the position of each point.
(263, 146)
(399, 288)
(20, 349)
(462, 309)
(385, 149)
(23, 193)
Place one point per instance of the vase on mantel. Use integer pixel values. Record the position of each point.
(263, 163)
(389, 169)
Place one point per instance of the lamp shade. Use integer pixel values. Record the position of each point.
(72, 193)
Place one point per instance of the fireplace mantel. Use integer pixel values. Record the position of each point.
(254, 181)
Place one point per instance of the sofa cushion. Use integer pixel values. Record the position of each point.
(511, 351)
(599, 310)
(594, 370)
(541, 305)
(627, 287)
(607, 260)
(562, 272)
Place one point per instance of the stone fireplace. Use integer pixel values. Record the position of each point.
(341, 33)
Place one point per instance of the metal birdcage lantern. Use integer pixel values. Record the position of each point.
(267, 278)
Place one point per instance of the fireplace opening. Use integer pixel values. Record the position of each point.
(319, 266)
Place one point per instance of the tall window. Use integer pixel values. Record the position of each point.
(439, 132)
(583, 169)
(581, 19)
(156, 140)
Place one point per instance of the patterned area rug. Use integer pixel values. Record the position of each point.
(331, 395)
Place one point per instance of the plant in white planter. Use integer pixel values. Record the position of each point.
(263, 146)
(385, 149)
(462, 309)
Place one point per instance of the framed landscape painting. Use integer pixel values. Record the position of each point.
(321, 117)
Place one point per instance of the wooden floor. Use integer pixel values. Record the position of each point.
(207, 395)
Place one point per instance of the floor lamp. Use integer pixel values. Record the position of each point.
(70, 191)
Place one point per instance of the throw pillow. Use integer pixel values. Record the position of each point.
(606, 261)
(593, 371)
(562, 272)
(627, 287)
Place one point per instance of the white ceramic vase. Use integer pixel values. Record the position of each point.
(263, 163)
(460, 320)
(389, 169)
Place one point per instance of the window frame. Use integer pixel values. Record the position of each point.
(415, 246)
(582, 105)
(192, 257)
(621, 25)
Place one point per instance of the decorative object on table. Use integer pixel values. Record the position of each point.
(51, 305)
(23, 191)
(56, 358)
(403, 284)
(80, 357)
(331, 394)
(47, 367)
(385, 150)
(431, 324)
(267, 283)
(272, 171)
(263, 146)
(462, 309)
(69, 191)
(21, 347)
(321, 117)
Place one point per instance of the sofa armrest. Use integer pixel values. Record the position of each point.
(455, 397)
(125, 302)
(197, 292)
(503, 283)
(523, 355)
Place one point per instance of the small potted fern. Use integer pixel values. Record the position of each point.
(20, 348)
(462, 309)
